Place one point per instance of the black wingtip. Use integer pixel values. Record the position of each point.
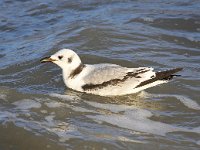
(162, 75)
(168, 74)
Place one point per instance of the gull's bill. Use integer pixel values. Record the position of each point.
(47, 59)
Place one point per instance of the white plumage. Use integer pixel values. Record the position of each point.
(105, 79)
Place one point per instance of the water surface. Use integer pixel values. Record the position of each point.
(37, 111)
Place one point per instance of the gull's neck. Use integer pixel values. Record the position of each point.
(76, 71)
(71, 77)
(69, 74)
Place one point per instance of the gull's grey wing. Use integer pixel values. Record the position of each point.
(104, 73)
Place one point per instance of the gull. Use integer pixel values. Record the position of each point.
(106, 79)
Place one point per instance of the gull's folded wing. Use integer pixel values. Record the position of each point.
(109, 74)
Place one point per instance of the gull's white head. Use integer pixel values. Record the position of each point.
(67, 59)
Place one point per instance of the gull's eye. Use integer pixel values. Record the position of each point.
(60, 57)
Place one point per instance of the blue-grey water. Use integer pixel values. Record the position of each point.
(37, 111)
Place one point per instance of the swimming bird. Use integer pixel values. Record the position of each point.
(106, 79)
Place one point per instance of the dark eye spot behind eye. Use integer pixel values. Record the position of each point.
(60, 57)
(69, 60)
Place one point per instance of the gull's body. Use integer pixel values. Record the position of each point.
(106, 79)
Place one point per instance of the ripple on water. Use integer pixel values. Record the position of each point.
(188, 102)
(125, 119)
(134, 119)
(26, 104)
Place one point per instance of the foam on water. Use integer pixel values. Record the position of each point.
(125, 139)
(54, 104)
(141, 124)
(134, 119)
(148, 19)
(27, 104)
(62, 129)
(81, 109)
(4, 93)
(6, 116)
(111, 107)
(3, 97)
(188, 102)
(143, 94)
(198, 142)
(65, 97)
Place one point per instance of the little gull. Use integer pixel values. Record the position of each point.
(106, 79)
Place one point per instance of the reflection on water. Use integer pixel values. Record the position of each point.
(93, 118)
(38, 112)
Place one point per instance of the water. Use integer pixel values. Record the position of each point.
(38, 112)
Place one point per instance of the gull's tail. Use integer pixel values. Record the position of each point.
(161, 75)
